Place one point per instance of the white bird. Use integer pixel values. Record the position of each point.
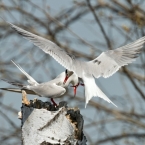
(52, 89)
(105, 65)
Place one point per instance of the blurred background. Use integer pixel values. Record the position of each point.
(84, 28)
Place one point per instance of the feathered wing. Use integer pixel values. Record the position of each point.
(17, 90)
(107, 63)
(31, 81)
(48, 90)
(14, 83)
(91, 89)
(48, 47)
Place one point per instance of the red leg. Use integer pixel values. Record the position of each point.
(75, 89)
(53, 102)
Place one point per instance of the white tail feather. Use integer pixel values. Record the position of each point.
(91, 89)
(31, 81)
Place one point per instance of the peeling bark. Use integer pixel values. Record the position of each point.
(45, 124)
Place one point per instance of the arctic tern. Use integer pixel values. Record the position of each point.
(105, 65)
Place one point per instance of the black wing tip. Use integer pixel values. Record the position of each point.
(14, 27)
(6, 88)
(3, 88)
(13, 83)
(138, 50)
(132, 56)
(4, 80)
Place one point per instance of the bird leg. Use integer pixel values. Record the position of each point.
(53, 102)
(75, 89)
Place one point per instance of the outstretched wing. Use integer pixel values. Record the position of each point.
(48, 47)
(104, 65)
(31, 81)
(107, 63)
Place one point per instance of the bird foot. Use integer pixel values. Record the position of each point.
(24, 98)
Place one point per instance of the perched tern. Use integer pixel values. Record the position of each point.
(52, 89)
(105, 65)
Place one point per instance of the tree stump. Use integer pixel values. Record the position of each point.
(45, 124)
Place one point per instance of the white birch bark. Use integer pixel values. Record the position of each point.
(43, 124)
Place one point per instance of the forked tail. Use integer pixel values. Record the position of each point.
(91, 89)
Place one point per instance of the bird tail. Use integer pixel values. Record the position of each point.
(100, 94)
(30, 80)
(91, 89)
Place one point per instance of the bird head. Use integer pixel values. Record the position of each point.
(67, 75)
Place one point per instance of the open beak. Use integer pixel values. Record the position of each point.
(66, 78)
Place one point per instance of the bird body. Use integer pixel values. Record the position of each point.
(52, 89)
(105, 65)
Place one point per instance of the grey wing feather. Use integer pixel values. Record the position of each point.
(30, 79)
(107, 63)
(17, 90)
(14, 83)
(48, 47)
(104, 65)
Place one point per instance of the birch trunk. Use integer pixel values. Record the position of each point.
(44, 124)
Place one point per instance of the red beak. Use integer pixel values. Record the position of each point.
(66, 78)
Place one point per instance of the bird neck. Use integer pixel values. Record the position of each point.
(73, 79)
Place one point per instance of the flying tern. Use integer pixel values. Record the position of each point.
(105, 65)
(52, 89)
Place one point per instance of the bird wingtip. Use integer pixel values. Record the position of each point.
(12, 61)
(114, 105)
(6, 21)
